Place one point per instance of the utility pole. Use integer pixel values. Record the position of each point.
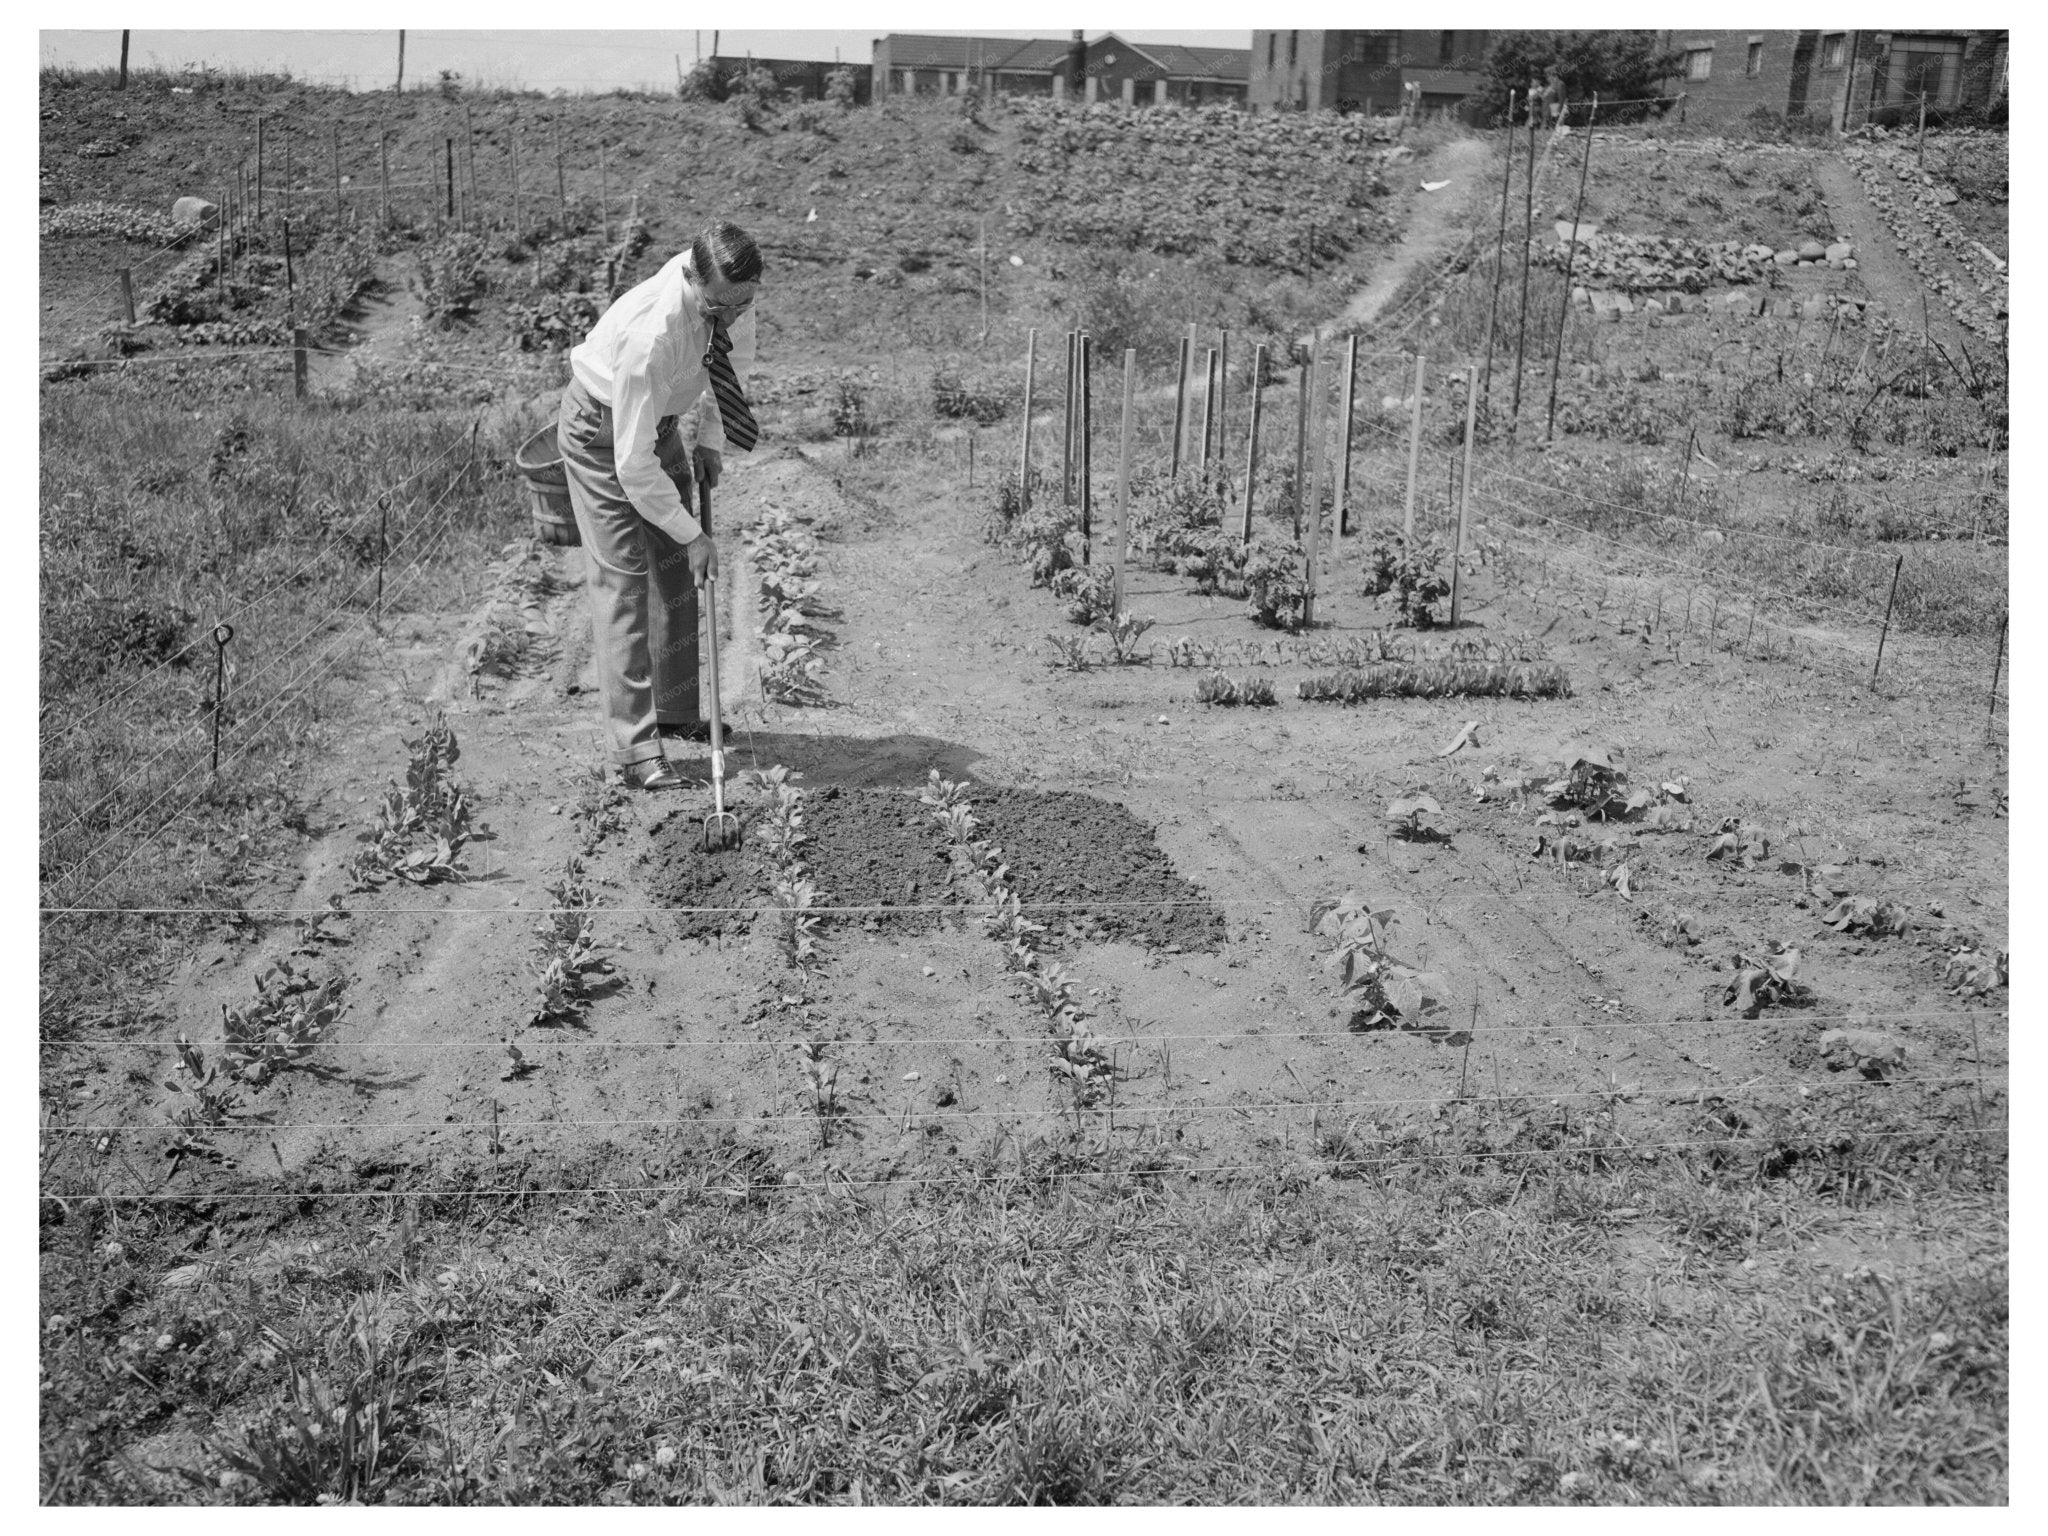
(401, 61)
(122, 85)
(1077, 63)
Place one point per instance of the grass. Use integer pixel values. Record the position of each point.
(1482, 1307)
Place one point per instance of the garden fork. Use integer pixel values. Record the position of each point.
(721, 827)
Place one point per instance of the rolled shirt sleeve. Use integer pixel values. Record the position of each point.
(639, 401)
(711, 425)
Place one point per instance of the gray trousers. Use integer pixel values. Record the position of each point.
(643, 603)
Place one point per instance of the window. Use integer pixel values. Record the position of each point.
(1925, 69)
(1446, 47)
(1699, 63)
(1755, 64)
(1832, 48)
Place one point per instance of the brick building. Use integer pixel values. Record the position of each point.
(917, 64)
(1843, 78)
(1363, 71)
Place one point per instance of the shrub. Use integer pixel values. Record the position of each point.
(702, 83)
(1006, 501)
(1412, 569)
(451, 278)
(1275, 593)
(840, 89)
(955, 399)
(554, 321)
(1172, 516)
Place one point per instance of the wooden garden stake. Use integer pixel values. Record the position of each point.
(449, 143)
(1500, 247)
(290, 281)
(1997, 664)
(1564, 311)
(604, 194)
(384, 176)
(127, 281)
(1301, 443)
(1312, 524)
(298, 362)
(334, 149)
(1222, 394)
(259, 171)
(1067, 425)
(1024, 454)
(1751, 630)
(1087, 448)
(1344, 443)
(1465, 497)
(1208, 403)
(222, 634)
(1123, 484)
(561, 178)
(1180, 404)
(1887, 629)
(1522, 305)
(512, 146)
(1251, 451)
(1414, 448)
(469, 130)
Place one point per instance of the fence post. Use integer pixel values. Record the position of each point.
(1564, 311)
(334, 146)
(222, 634)
(291, 282)
(1887, 629)
(469, 129)
(1464, 490)
(383, 549)
(984, 279)
(561, 178)
(449, 143)
(298, 362)
(1123, 485)
(259, 172)
(1414, 448)
(122, 83)
(604, 194)
(1024, 454)
(1180, 403)
(1344, 442)
(127, 293)
(1251, 452)
(384, 174)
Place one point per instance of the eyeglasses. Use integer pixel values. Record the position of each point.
(725, 311)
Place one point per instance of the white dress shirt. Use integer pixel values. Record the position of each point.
(645, 359)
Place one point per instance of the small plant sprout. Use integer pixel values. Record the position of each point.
(1761, 981)
(205, 1098)
(568, 958)
(1124, 632)
(1070, 652)
(291, 1015)
(1416, 818)
(822, 1086)
(423, 825)
(1387, 994)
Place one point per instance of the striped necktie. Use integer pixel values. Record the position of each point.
(741, 430)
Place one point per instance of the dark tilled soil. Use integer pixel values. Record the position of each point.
(874, 847)
(679, 873)
(1065, 846)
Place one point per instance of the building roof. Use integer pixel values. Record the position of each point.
(919, 50)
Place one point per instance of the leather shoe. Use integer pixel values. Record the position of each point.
(652, 773)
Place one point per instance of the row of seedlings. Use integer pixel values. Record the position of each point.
(785, 556)
(1081, 1058)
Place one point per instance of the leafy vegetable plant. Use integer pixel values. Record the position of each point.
(1387, 994)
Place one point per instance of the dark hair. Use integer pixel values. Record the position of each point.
(728, 251)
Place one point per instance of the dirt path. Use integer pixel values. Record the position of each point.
(1436, 222)
(377, 326)
(1880, 264)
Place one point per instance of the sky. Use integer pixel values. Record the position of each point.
(535, 60)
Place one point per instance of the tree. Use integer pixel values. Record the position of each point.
(1620, 66)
